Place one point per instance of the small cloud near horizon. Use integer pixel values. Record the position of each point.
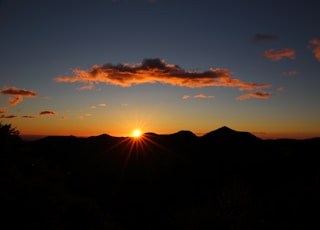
(8, 117)
(156, 71)
(315, 43)
(28, 116)
(18, 93)
(264, 37)
(47, 113)
(199, 96)
(277, 55)
(261, 95)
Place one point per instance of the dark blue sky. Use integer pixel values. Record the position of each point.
(250, 65)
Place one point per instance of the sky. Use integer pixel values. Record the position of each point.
(85, 68)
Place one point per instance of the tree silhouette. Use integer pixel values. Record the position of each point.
(9, 137)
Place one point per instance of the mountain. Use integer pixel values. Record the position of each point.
(226, 134)
(225, 179)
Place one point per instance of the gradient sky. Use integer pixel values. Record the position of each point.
(85, 68)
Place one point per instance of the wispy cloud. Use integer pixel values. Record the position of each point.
(99, 105)
(261, 95)
(47, 113)
(28, 116)
(15, 100)
(200, 95)
(8, 117)
(156, 70)
(18, 93)
(315, 43)
(264, 37)
(289, 73)
(277, 55)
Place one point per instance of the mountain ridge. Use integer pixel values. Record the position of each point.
(222, 131)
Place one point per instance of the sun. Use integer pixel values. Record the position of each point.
(136, 133)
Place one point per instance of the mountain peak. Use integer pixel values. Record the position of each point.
(225, 133)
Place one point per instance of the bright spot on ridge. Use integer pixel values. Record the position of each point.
(136, 133)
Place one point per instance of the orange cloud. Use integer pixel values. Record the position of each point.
(102, 105)
(18, 93)
(46, 113)
(200, 95)
(15, 100)
(316, 50)
(8, 117)
(278, 55)
(262, 95)
(28, 116)
(280, 88)
(156, 70)
(290, 73)
(203, 96)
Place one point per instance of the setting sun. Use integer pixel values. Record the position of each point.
(136, 133)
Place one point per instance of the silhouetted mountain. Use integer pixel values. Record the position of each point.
(226, 134)
(225, 179)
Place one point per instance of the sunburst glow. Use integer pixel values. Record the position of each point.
(136, 133)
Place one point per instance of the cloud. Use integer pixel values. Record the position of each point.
(264, 37)
(102, 105)
(153, 71)
(316, 47)
(28, 116)
(18, 93)
(278, 55)
(8, 117)
(261, 95)
(47, 113)
(15, 100)
(280, 89)
(203, 96)
(289, 73)
(200, 95)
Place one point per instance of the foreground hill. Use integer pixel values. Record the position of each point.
(225, 179)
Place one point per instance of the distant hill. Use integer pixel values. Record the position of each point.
(225, 179)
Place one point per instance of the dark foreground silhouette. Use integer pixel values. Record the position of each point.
(223, 180)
